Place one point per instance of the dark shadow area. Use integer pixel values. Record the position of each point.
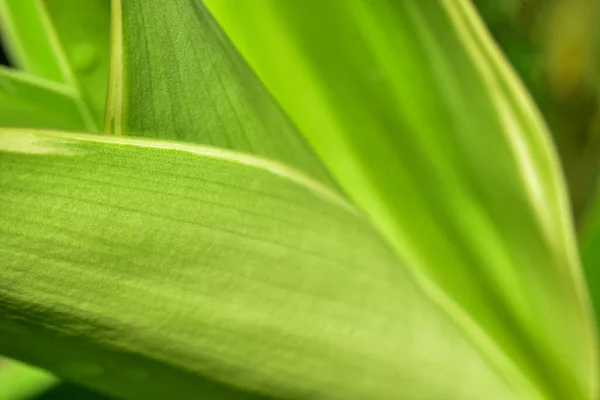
(68, 391)
(3, 59)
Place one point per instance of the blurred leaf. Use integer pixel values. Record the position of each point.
(194, 272)
(28, 101)
(176, 76)
(22, 382)
(65, 41)
(425, 126)
(62, 46)
(511, 26)
(570, 49)
(554, 47)
(25, 35)
(590, 251)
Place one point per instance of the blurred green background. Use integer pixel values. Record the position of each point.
(554, 46)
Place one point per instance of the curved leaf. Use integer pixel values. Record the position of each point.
(63, 45)
(424, 125)
(174, 75)
(187, 271)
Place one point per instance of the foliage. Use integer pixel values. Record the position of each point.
(283, 199)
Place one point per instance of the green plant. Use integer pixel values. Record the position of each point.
(199, 248)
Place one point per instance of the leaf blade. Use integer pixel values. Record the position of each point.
(425, 82)
(174, 75)
(247, 294)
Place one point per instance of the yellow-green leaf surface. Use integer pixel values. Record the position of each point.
(176, 76)
(61, 47)
(425, 126)
(65, 41)
(29, 101)
(192, 272)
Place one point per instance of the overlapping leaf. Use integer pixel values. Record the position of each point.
(419, 117)
(61, 50)
(63, 41)
(194, 272)
(82, 32)
(27, 101)
(188, 270)
(176, 76)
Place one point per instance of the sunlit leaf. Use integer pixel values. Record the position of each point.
(236, 270)
(425, 126)
(22, 382)
(62, 46)
(187, 271)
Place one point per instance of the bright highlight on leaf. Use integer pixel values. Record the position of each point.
(21, 382)
(202, 249)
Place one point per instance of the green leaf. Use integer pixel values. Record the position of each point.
(21, 382)
(65, 41)
(194, 272)
(590, 251)
(76, 52)
(82, 32)
(28, 101)
(174, 75)
(25, 34)
(418, 116)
